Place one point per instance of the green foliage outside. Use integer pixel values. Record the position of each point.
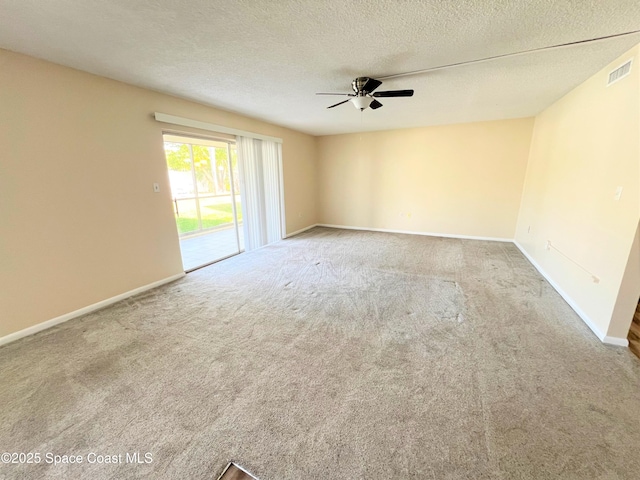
(212, 216)
(211, 178)
(211, 168)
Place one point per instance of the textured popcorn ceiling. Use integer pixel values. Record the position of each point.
(267, 58)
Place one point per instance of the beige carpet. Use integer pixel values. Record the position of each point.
(332, 355)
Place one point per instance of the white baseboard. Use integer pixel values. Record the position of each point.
(621, 342)
(12, 337)
(292, 234)
(617, 341)
(409, 232)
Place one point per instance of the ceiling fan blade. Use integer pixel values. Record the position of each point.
(375, 104)
(394, 93)
(340, 103)
(371, 85)
(347, 94)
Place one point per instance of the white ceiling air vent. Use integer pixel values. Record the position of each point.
(619, 73)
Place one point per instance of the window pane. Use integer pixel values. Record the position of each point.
(179, 163)
(186, 216)
(236, 186)
(222, 172)
(216, 211)
(201, 174)
(203, 168)
(234, 165)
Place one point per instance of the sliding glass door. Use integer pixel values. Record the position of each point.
(206, 198)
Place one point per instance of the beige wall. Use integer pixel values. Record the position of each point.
(458, 179)
(79, 222)
(585, 146)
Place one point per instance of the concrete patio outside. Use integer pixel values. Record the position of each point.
(204, 248)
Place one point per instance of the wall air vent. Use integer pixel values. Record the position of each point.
(619, 73)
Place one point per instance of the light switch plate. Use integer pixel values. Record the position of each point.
(618, 194)
(156, 187)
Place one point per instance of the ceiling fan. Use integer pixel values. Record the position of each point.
(363, 95)
(363, 87)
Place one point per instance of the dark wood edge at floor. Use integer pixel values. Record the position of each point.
(233, 471)
(634, 333)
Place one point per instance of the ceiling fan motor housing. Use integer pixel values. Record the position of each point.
(358, 85)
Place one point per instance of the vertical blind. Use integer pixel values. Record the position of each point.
(259, 163)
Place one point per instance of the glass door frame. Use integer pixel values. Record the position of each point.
(233, 191)
(234, 207)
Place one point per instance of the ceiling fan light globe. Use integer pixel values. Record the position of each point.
(361, 102)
